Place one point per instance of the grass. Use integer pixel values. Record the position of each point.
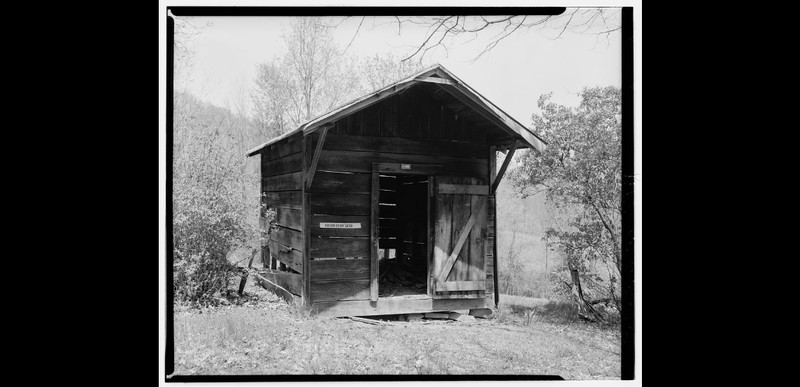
(268, 336)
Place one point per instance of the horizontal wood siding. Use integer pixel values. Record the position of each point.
(340, 290)
(288, 199)
(405, 146)
(340, 269)
(289, 218)
(423, 111)
(286, 254)
(340, 247)
(317, 231)
(287, 237)
(339, 204)
(283, 148)
(289, 281)
(281, 184)
(283, 165)
(350, 161)
(286, 182)
(341, 183)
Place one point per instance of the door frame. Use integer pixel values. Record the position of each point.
(430, 170)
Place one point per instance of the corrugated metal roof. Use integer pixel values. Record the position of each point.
(452, 84)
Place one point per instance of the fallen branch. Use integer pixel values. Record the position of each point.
(366, 320)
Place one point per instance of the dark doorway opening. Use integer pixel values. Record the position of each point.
(403, 232)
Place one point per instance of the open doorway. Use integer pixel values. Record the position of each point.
(403, 231)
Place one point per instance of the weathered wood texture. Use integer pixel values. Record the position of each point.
(340, 269)
(312, 168)
(352, 161)
(285, 182)
(374, 219)
(397, 305)
(318, 231)
(283, 165)
(340, 247)
(290, 257)
(340, 290)
(278, 290)
(283, 148)
(460, 224)
(289, 218)
(287, 199)
(402, 145)
(415, 113)
(339, 204)
(409, 128)
(289, 281)
(327, 182)
(287, 237)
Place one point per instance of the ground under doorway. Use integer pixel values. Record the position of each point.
(403, 235)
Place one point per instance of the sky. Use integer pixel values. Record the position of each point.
(513, 75)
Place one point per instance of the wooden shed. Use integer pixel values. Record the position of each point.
(386, 205)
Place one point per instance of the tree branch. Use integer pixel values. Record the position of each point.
(428, 39)
(354, 35)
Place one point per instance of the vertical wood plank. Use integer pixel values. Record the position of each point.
(429, 230)
(443, 232)
(373, 264)
(462, 207)
(305, 289)
(493, 203)
(478, 244)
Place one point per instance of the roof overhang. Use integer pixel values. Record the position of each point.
(439, 76)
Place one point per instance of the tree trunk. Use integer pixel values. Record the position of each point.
(585, 309)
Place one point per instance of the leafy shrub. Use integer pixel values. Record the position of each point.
(215, 205)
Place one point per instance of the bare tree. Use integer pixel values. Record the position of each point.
(448, 31)
(309, 79)
(186, 29)
(380, 70)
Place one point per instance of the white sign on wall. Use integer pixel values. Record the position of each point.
(340, 225)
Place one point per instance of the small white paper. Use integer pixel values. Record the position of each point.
(340, 225)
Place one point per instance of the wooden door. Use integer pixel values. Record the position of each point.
(460, 227)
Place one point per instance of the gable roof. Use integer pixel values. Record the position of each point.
(440, 76)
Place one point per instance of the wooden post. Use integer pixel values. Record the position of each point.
(504, 167)
(305, 289)
(243, 280)
(431, 186)
(492, 178)
(373, 264)
(312, 169)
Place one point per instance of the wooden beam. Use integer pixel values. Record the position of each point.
(315, 160)
(460, 286)
(492, 177)
(440, 81)
(397, 305)
(462, 237)
(411, 169)
(373, 264)
(289, 281)
(504, 167)
(275, 288)
(461, 189)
